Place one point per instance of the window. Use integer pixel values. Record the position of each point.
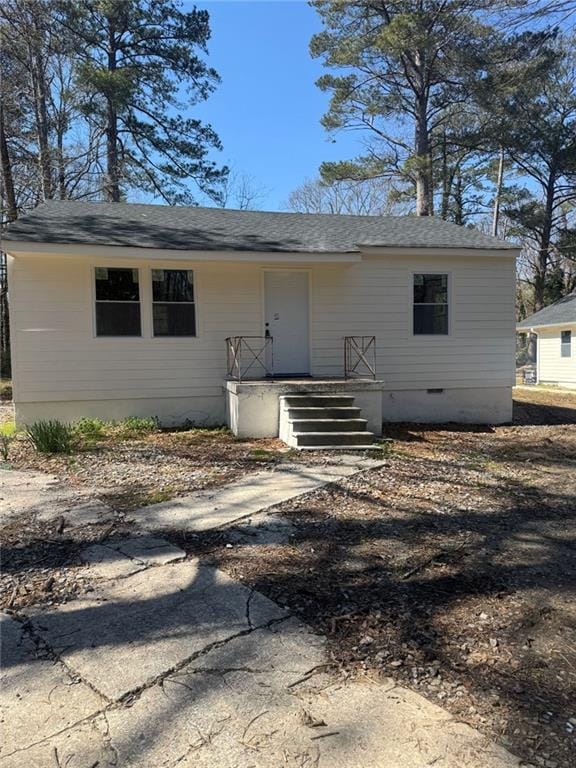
(566, 344)
(430, 304)
(173, 308)
(117, 302)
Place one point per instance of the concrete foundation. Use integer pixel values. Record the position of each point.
(253, 407)
(490, 405)
(170, 411)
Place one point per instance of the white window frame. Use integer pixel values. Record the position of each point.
(449, 304)
(194, 303)
(96, 301)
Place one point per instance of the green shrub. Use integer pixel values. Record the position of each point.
(51, 436)
(90, 429)
(134, 425)
(5, 387)
(7, 435)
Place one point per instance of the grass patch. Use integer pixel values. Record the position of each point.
(134, 498)
(134, 426)
(383, 448)
(157, 496)
(261, 454)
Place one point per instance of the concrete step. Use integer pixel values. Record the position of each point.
(328, 425)
(344, 448)
(331, 439)
(318, 401)
(339, 412)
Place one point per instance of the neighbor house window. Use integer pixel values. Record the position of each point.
(117, 302)
(430, 304)
(566, 344)
(173, 307)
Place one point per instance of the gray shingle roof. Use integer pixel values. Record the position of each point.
(563, 311)
(217, 229)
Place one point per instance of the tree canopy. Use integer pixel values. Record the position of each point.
(98, 99)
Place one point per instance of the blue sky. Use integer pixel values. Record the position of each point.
(267, 109)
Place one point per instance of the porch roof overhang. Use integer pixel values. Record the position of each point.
(23, 248)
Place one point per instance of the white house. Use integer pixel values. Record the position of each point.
(555, 329)
(204, 314)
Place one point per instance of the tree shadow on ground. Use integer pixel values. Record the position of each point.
(538, 414)
(402, 576)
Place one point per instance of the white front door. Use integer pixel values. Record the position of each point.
(286, 310)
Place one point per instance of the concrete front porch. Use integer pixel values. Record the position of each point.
(253, 407)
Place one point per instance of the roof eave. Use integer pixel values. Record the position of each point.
(388, 250)
(22, 248)
(535, 326)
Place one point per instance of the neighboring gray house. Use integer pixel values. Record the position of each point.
(555, 329)
(122, 309)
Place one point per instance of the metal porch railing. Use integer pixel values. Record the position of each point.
(249, 357)
(360, 357)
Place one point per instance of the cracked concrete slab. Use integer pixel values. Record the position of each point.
(107, 563)
(118, 559)
(89, 513)
(263, 700)
(209, 509)
(38, 697)
(149, 550)
(131, 630)
(84, 746)
(257, 702)
(44, 497)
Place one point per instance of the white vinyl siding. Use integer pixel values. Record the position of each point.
(58, 358)
(376, 298)
(552, 367)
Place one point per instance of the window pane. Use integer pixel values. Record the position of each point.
(430, 289)
(122, 319)
(430, 319)
(174, 320)
(172, 285)
(114, 284)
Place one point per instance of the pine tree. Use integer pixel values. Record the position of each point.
(540, 136)
(141, 65)
(405, 63)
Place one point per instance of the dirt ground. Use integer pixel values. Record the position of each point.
(139, 469)
(452, 568)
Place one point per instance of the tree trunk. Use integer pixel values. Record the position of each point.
(11, 212)
(532, 349)
(9, 201)
(112, 186)
(40, 94)
(423, 175)
(61, 166)
(445, 204)
(543, 258)
(498, 193)
(458, 201)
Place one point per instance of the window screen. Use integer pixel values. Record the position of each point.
(430, 304)
(117, 302)
(173, 308)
